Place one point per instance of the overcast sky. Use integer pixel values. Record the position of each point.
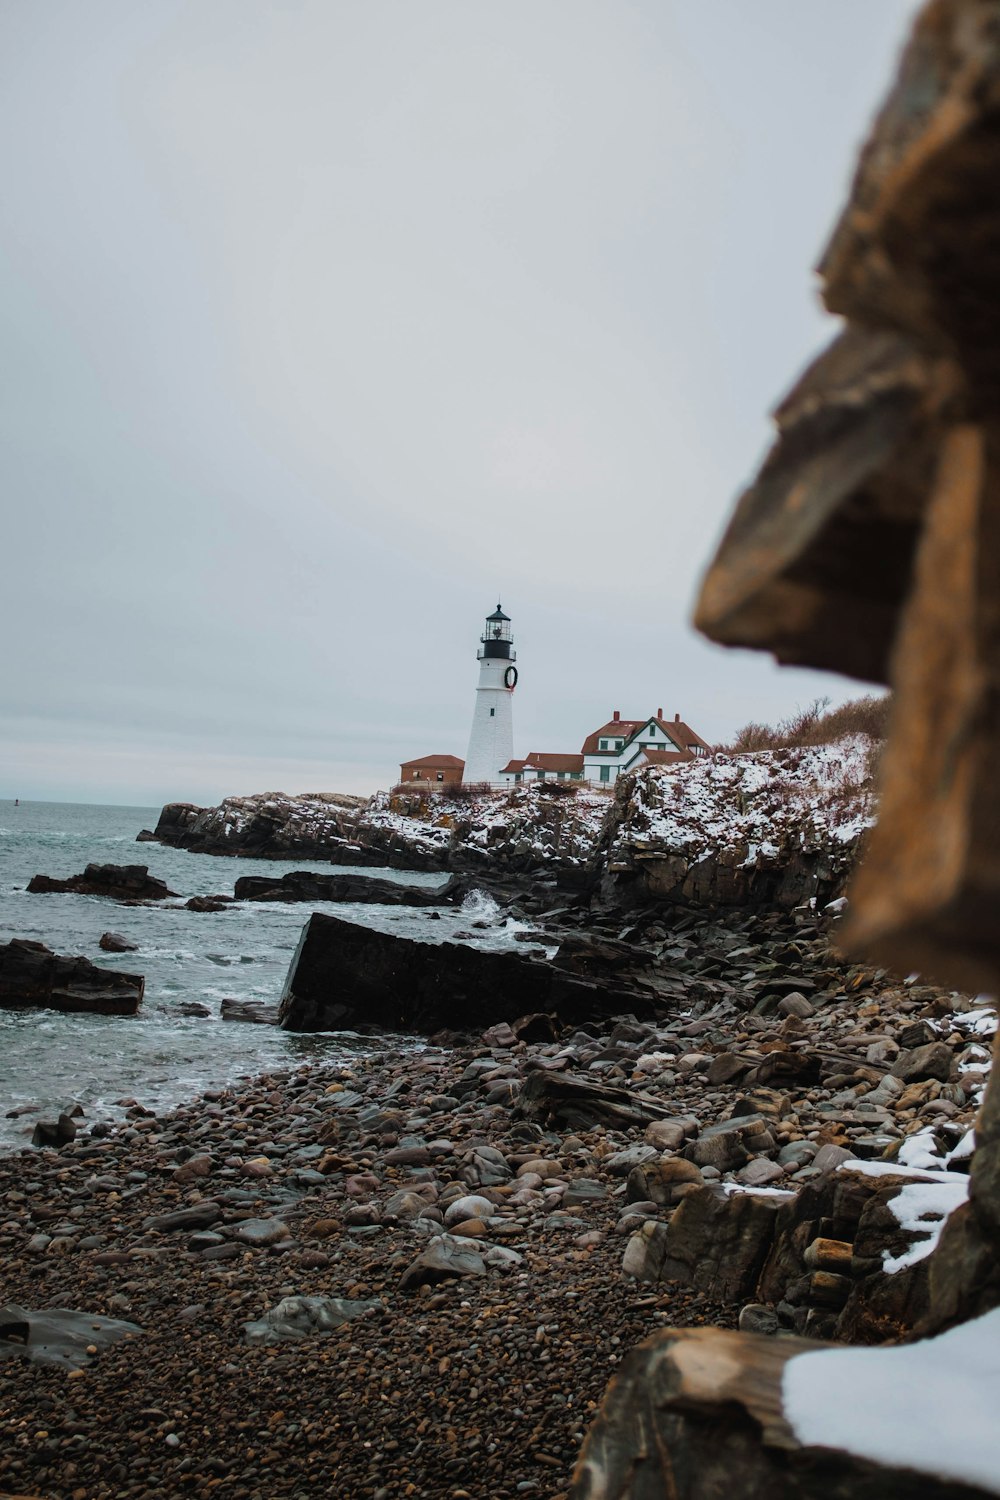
(327, 323)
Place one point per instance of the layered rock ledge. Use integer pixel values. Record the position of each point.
(32, 976)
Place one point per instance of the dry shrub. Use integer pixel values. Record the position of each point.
(816, 725)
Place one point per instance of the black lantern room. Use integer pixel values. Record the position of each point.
(496, 636)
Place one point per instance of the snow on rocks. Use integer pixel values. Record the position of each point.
(928, 1406)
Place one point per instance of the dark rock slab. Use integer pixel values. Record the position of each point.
(58, 1336)
(54, 1133)
(194, 1216)
(556, 1099)
(348, 977)
(32, 975)
(719, 1244)
(122, 882)
(306, 885)
(253, 1011)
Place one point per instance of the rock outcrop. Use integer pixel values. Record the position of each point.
(770, 828)
(305, 885)
(120, 882)
(271, 825)
(33, 976)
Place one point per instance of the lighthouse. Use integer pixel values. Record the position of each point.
(491, 741)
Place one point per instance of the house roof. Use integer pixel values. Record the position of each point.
(435, 762)
(621, 729)
(682, 735)
(540, 760)
(665, 757)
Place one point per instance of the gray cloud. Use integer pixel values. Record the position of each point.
(326, 322)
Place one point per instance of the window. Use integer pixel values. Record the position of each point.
(440, 776)
(560, 775)
(518, 776)
(603, 745)
(540, 775)
(605, 773)
(492, 712)
(619, 744)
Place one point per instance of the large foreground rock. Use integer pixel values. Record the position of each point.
(347, 977)
(122, 882)
(701, 1414)
(32, 975)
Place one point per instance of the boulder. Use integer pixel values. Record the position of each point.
(122, 882)
(255, 1012)
(54, 1133)
(719, 1244)
(701, 1413)
(348, 977)
(116, 942)
(934, 1060)
(32, 975)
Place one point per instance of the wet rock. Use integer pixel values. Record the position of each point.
(54, 1132)
(116, 942)
(122, 882)
(580, 1105)
(253, 1012)
(33, 976)
(305, 885)
(208, 903)
(194, 1216)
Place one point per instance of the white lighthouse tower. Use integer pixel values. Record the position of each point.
(491, 742)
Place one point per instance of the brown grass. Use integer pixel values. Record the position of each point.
(816, 725)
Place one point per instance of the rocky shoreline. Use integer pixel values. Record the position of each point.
(497, 1220)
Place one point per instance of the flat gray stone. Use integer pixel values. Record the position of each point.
(297, 1318)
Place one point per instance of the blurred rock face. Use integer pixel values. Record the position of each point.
(868, 543)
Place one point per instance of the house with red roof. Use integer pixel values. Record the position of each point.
(618, 746)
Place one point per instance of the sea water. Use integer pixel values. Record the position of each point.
(51, 1061)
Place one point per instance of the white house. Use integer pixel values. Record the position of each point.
(618, 746)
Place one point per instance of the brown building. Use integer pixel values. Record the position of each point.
(431, 771)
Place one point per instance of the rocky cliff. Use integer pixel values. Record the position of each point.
(777, 826)
(772, 826)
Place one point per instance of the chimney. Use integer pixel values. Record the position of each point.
(677, 718)
(659, 713)
(615, 716)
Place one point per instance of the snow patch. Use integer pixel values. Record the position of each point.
(929, 1406)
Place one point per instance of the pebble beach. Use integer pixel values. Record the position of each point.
(324, 1183)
